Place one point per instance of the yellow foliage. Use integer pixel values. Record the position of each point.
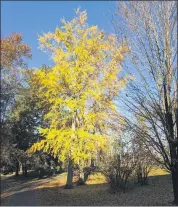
(79, 89)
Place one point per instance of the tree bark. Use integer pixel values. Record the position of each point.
(83, 174)
(145, 180)
(139, 174)
(25, 172)
(60, 167)
(21, 168)
(173, 147)
(139, 177)
(69, 183)
(175, 184)
(81, 180)
(40, 173)
(54, 168)
(17, 169)
(92, 163)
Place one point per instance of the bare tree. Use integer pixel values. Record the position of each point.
(150, 29)
(145, 160)
(119, 167)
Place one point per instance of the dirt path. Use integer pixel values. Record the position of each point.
(27, 198)
(20, 191)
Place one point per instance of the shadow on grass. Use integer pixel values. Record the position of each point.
(158, 192)
(10, 182)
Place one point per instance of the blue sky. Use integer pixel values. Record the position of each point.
(33, 18)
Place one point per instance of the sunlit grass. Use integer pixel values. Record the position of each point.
(97, 178)
(60, 180)
(158, 171)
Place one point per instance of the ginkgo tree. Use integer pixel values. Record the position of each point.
(79, 89)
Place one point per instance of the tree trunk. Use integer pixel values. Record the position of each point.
(139, 175)
(17, 169)
(21, 168)
(54, 169)
(60, 167)
(92, 163)
(86, 174)
(145, 180)
(81, 180)
(40, 173)
(25, 172)
(69, 183)
(175, 184)
(173, 148)
(83, 174)
(145, 176)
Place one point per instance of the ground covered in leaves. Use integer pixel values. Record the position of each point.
(50, 191)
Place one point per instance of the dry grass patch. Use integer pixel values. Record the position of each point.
(157, 172)
(97, 178)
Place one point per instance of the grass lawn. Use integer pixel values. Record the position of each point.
(50, 191)
(158, 171)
